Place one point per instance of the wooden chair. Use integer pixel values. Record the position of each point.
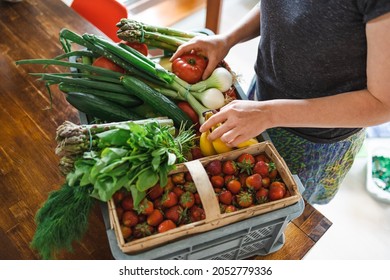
(104, 14)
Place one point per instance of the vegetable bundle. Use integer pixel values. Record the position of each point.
(143, 89)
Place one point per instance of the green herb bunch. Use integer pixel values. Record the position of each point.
(135, 157)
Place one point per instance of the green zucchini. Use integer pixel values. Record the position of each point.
(145, 110)
(99, 107)
(162, 104)
(124, 100)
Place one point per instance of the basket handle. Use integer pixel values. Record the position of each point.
(205, 190)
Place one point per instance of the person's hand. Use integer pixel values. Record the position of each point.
(240, 120)
(214, 47)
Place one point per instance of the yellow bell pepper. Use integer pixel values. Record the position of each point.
(206, 147)
(248, 143)
(221, 147)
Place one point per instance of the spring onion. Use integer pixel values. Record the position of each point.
(212, 98)
(220, 79)
(139, 66)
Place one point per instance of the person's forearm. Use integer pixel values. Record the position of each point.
(352, 109)
(246, 29)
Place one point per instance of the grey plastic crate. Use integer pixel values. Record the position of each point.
(260, 235)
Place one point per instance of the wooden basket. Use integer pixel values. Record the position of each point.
(214, 219)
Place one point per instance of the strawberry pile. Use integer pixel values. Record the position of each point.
(176, 204)
(241, 183)
(247, 181)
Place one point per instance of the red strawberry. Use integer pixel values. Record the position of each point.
(196, 214)
(229, 167)
(126, 231)
(244, 199)
(127, 203)
(234, 186)
(166, 225)
(176, 213)
(262, 195)
(273, 172)
(229, 178)
(143, 230)
(225, 197)
(155, 218)
(266, 181)
(169, 199)
(262, 157)
(254, 182)
(118, 197)
(242, 178)
(190, 186)
(245, 162)
(261, 168)
(198, 201)
(187, 199)
(188, 177)
(230, 209)
(178, 178)
(196, 153)
(129, 218)
(217, 181)
(146, 207)
(155, 192)
(178, 190)
(214, 167)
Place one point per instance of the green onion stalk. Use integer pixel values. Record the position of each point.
(135, 64)
(151, 69)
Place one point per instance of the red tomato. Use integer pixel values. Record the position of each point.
(190, 112)
(189, 67)
(108, 64)
(142, 48)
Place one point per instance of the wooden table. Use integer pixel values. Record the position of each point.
(28, 165)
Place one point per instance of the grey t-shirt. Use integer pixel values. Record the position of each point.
(314, 48)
